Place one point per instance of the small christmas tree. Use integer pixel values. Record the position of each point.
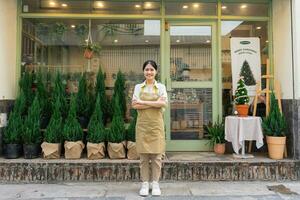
(131, 129)
(43, 96)
(96, 130)
(247, 74)
(54, 129)
(13, 131)
(31, 132)
(60, 94)
(25, 84)
(117, 130)
(119, 90)
(72, 130)
(241, 94)
(274, 124)
(100, 89)
(82, 98)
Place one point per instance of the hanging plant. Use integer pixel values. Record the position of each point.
(58, 31)
(91, 49)
(81, 31)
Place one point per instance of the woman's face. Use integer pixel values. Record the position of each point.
(150, 72)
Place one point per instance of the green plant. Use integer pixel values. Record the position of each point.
(241, 94)
(43, 96)
(100, 90)
(31, 128)
(96, 130)
(82, 98)
(58, 31)
(54, 129)
(13, 131)
(25, 85)
(60, 94)
(117, 129)
(274, 124)
(119, 90)
(95, 48)
(131, 129)
(216, 132)
(247, 74)
(81, 31)
(72, 130)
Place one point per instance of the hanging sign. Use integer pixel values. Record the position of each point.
(245, 61)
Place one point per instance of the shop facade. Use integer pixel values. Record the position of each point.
(190, 40)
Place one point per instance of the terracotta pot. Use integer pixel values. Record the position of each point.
(219, 148)
(276, 147)
(88, 54)
(242, 110)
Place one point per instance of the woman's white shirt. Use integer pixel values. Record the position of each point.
(162, 92)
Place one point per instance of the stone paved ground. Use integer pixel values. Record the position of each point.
(170, 191)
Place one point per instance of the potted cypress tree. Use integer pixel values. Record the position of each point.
(119, 89)
(116, 136)
(241, 99)
(100, 89)
(12, 147)
(216, 133)
(44, 101)
(31, 131)
(82, 102)
(51, 147)
(130, 136)
(96, 134)
(26, 84)
(60, 94)
(73, 134)
(274, 126)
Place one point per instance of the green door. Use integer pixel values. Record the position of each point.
(191, 76)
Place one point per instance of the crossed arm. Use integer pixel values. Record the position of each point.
(140, 105)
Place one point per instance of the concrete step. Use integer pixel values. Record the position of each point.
(188, 166)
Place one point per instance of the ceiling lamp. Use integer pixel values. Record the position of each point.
(184, 6)
(196, 5)
(243, 6)
(224, 7)
(64, 5)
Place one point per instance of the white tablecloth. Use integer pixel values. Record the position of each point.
(239, 129)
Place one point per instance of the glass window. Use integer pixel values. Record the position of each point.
(55, 44)
(191, 53)
(240, 29)
(91, 6)
(190, 8)
(191, 109)
(245, 9)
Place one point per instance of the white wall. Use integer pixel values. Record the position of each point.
(282, 37)
(296, 44)
(8, 30)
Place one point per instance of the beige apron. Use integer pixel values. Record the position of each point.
(150, 135)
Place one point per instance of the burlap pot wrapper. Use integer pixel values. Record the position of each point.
(132, 153)
(95, 150)
(73, 150)
(51, 150)
(116, 150)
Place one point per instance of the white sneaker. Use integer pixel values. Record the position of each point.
(144, 191)
(155, 189)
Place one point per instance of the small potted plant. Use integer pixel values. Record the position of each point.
(96, 134)
(32, 136)
(12, 147)
(216, 135)
(73, 134)
(274, 126)
(241, 99)
(51, 147)
(116, 135)
(130, 136)
(90, 49)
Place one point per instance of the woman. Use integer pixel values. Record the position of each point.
(150, 98)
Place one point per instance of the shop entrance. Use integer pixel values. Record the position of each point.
(192, 82)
